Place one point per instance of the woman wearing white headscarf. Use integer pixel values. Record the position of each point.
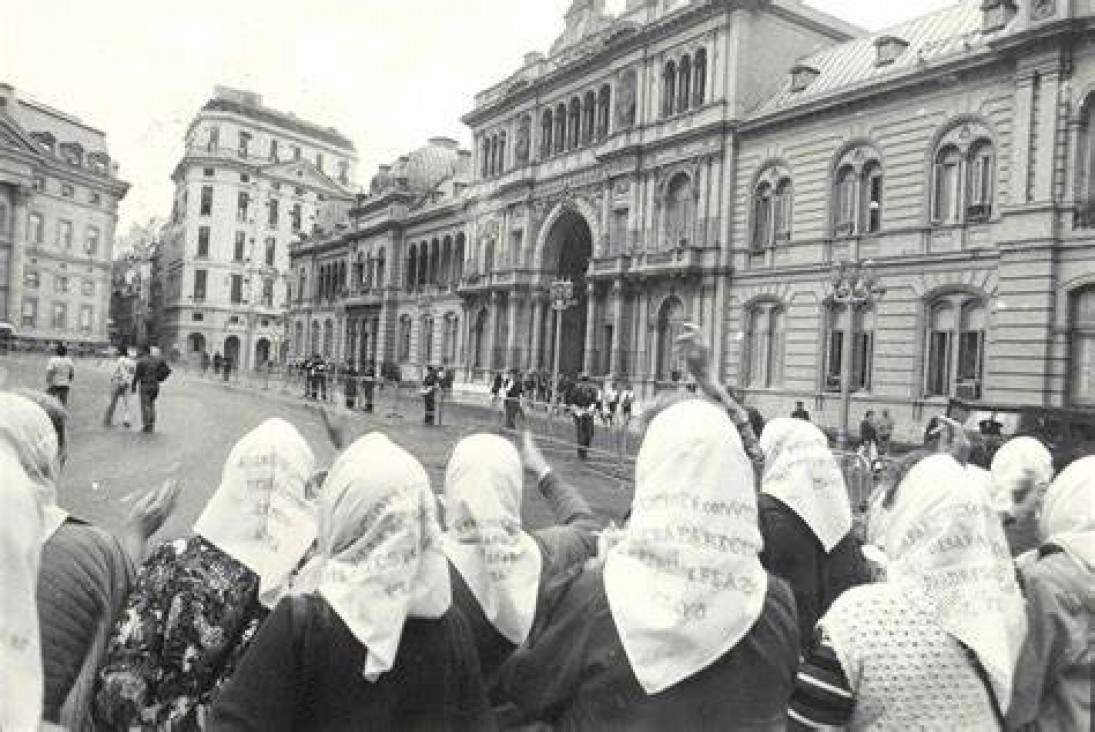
(1022, 469)
(197, 601)
(935, 645)
(371, 641)
(1053, 683)
(21, 678)
(502, 575)
(681, 628)
(85, 572)
(806, 519)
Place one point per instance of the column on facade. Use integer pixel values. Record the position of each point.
(534, 352)
(511, 334)
(603, 244)
(617, 328)
(15, 263)
(642, 306)
(591, 324)
(492, 329)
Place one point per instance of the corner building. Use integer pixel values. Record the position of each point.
(251, 181)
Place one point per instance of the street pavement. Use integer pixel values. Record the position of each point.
(199, 420)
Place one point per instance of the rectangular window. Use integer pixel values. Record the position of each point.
(781, 210)
(203, 241)
(87, 287)
(67, 190)
(274, 150)
(945, 209)
(938, 372)
(95, 199)
(86, 317)
(845, 204)
(762, 222)
(64, 234)
(236, 294)
(200, 277)
(92, 245)
(241, 245)
(874, 202)
(862, 358)
(206, 206)
(296, 152)
(60, 284)
(30, 312)
(294, 217)
(208, 172)
(981, 179)
(243, 201)
(31, 279)
(39, 183)
(214, 139)
(273, 213)
(36, 228)
(60, 316)
(271, 250)
(268, 293)
(834, 360)
(319, 161)
(971, 346)
(245, 144)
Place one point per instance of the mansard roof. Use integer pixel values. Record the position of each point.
(944, 35)
(281, 119)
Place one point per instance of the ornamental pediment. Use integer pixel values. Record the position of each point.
(303, 173)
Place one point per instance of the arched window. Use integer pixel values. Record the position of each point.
(425, 346)
(451, 333)
(772, 207)
(547, 126)
(670, 317)
(404, 338)
(871, 196)
(488, 256)
(380, 269)
(1085, 166)
(699, 72)
(604, 104)
(412, 272)
(423, 263)
(589, 117)
(435, 262)
(328, 338)
(1082, 341)
(574, 130)
(298, 338)
(458, 258)
(484, 157)
(480, 335)
(316, 334)
(764, 345)
(446, 262)
(964, 175)
(844, 201)
(955, 340)
(678, 211)
(669, 88)
(560, 128)
(684, 85)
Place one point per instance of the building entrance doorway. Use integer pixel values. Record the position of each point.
(567, 250)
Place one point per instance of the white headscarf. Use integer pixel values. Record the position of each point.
(1068, 512)
(21, 679)
(27, 429)
(259, 515)
(947, 552)
(484, 540)
(685, 584)
(800, 470)
(1020, 463)
(379, 559)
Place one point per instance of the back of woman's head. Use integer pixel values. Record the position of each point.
(484, 470)
(27, 431)
(1068, 507)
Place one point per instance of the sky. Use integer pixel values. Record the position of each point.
(389, 75)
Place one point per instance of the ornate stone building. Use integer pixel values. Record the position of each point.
(59, 196)
(251, 180)
(714, 161)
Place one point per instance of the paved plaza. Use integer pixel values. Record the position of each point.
(200, 419)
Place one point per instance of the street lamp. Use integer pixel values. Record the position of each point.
(855, 286)
(562, 297)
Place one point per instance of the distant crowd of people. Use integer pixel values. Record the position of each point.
(736, 593)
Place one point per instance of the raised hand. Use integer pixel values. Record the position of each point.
(531, 457)
(151, 510)
(336, 433)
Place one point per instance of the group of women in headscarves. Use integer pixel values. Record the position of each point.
(354, 596)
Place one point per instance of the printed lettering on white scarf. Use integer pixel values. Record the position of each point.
(484, 540)
(800, 471)
(685, 583)
(379, 559)
(259, 515)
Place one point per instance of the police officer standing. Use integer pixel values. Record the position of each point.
(582, 399)
(368, 384)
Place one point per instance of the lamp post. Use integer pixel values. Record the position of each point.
(855, 286)
(562, 297)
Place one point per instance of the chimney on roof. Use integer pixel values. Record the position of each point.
(445, 142)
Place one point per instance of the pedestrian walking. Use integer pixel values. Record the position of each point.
(512, 390)
(868, 437)
(800, 412)
(582, 400)
(205, 362)
(368, 385)
(121, 383)
(884, 428)
(627, 403)
(218, 361)
(226, 367)
(349, 385)
(610, 400)
(151, 371)
(60, 373)
(429, 395)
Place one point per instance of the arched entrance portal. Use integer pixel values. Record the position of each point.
(567, 250)
(262, 352)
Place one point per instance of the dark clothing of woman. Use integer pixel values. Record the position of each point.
(564, 548)
(792, 552)
(576, 674)
(83, 580)
(304, 672)
(190, 616)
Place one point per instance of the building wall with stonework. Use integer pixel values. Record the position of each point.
(59, 196)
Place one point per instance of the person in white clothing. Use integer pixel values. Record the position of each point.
(60, 373)
(121, 381)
